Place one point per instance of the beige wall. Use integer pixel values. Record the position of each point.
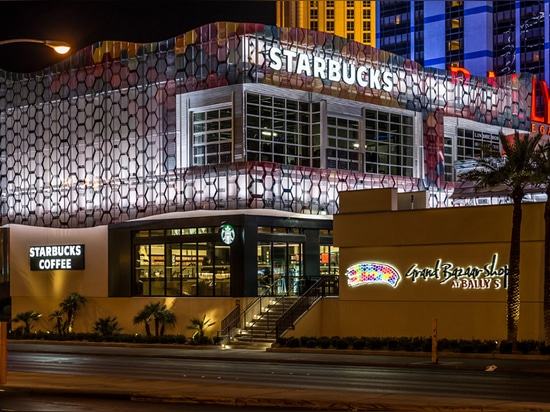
(463, 237)
(42, 291)
(126, 308)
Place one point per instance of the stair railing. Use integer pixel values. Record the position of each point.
(325, 286)
(230, 321)
(253, 311)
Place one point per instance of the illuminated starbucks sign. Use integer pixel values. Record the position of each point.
(227, 233)
(57, 257)
(330, 69)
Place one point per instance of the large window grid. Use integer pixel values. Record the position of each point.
(177, 262)
(282, 130)
(532, 37)
(419, 32)
(454, 33)
(212, 136)
(395, 21)
(343, 144)
(468, 146)
(504, 38)
(389, 143)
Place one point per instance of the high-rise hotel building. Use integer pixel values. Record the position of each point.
(482, 36)
(353, 20)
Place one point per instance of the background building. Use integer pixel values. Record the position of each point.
(354, 20)
(481, 36)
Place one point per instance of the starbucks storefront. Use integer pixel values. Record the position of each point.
(225, 254)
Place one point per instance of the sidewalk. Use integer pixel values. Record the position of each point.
(256, 396)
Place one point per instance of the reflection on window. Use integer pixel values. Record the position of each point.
(212, 136)
(182, 269)
(343, 148)
(389, 143)
(329, 258)
(280, 268)
(282, 130)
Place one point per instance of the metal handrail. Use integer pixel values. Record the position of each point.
(325, 286)
(230, 321)
(236, 318)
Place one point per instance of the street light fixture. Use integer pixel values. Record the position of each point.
(60, 47)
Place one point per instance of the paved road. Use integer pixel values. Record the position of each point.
(250, 394)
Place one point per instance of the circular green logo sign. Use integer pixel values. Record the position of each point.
(227, 233)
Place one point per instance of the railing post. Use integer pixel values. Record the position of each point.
(3, 353)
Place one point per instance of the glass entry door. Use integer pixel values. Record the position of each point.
(280, 268)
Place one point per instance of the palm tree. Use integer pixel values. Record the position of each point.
(60, 326)
(28, 318)
(107, 326)
(199, 326)
(515, 171)
(158, 314)
(70, 306)
(543, 173)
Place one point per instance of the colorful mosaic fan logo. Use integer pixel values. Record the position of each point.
(372, 273)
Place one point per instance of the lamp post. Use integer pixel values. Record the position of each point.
(60, 47)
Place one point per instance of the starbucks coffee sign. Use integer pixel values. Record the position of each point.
(227, 233)
(57, 257)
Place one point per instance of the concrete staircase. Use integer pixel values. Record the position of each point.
(259, 333)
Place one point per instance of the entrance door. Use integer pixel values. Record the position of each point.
(280, 268)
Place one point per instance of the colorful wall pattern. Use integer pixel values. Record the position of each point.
(92, 140)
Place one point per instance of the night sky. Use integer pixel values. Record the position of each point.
(84, 22)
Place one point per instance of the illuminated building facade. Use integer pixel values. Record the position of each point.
(500, 36)
(141, 153)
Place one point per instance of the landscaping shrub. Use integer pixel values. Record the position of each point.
(334, 341)
(312, 343)
(305, 339)
(282, 342)
(359, 344)
(374, 343)
(293, 342)
(527, 346)
(505, 347)
(342, 344)
(324, 343)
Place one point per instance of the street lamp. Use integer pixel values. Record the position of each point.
(60, 47)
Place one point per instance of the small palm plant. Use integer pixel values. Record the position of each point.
(60, 326)
(200, 326)
(28, 318)
(106, 327)
(158, 314)
(70, 306)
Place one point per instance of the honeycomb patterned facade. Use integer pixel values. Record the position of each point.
(93, 140)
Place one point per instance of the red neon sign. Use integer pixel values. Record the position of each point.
(459, 70)
(546, 107)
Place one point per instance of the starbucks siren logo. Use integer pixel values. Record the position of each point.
(227, 233)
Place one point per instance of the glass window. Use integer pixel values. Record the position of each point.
(284, 121)
(182, 269)
(344, 136)
(222, 271)
(329, 260)
(388, 133)
(211, 148)
(280, 268)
